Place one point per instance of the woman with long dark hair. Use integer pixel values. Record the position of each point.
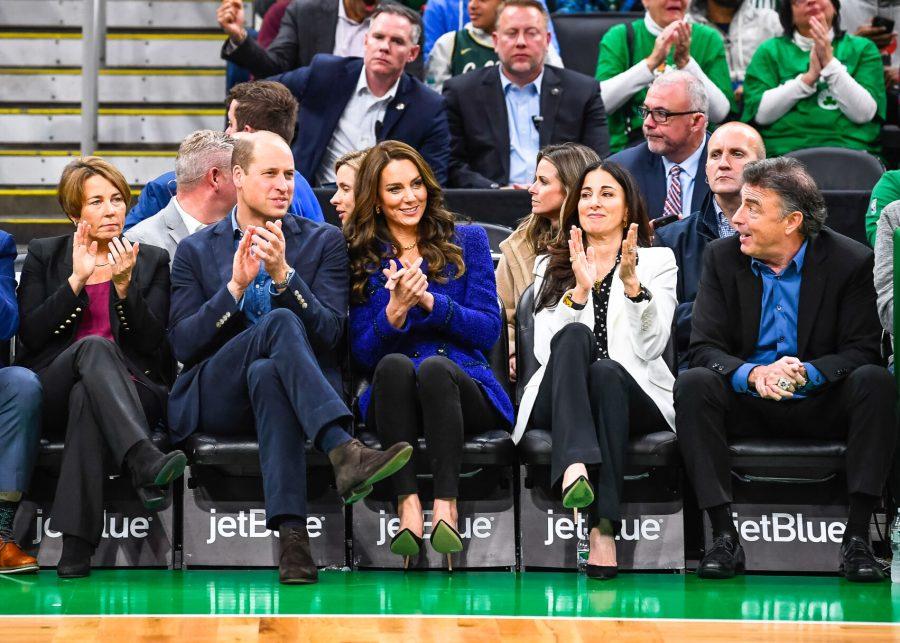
(604, 308)
(423, 316)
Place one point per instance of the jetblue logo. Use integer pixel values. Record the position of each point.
(786, 528)
(477, 527)
(114, 526)
(252, 524)
(564, 528)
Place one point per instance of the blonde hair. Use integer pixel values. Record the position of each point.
(353, 159)
(70, 191)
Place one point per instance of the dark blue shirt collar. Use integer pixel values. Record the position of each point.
(236, 231)
(797, 261)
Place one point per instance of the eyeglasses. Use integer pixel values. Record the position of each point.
(660, 115)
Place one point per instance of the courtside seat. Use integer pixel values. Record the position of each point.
(50, 451)
(492, 448)
(579, 36)
(658, 449)
(236, 455)
(787, 454)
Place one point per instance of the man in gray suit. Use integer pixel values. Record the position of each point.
(205, 192)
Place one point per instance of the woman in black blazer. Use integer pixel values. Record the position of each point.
(93, 311)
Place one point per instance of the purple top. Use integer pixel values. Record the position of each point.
(95, 320)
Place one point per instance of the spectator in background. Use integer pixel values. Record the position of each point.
(444, 16)
(347, 104)
(205, 192)
(731, 146)
(816, 85)
(20, 421)
(888, 222)
(558, 170)
(502, 115)
(859, 17)
(470, 48)
(252, 106)
(668, 166)
(633, 54)
(344, 197)
(743, 28)
(308, 27)
(886, 191)
(271, 23)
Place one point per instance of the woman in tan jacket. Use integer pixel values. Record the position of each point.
(558, 169)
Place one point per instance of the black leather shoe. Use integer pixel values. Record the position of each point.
(75, 561)
(602, 572)
(858, 563)
(296, 566)
(357, 467)
(724, 559)
(149, 466)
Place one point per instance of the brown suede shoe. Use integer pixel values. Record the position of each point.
(15, 561)
(357, 467)
(296, 566)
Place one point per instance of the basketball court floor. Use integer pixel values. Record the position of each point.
(249, 605)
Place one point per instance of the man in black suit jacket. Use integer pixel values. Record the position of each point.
(348, 104)
(675, 129)
(546, 104)
(785, 344)
(259, 302)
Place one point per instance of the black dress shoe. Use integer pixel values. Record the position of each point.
(858, 563)
(151, 467)
(602, 572)
(296, 566)
(724, 559)
(75, 561)
(357, 467)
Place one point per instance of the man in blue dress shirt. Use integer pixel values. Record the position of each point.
(785, 344)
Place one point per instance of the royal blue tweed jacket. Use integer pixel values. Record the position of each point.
(463, 326)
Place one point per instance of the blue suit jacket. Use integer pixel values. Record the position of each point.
(417, 115)
(647, 169)
(200, 299)
(9, 308)
(157, 194)
(463, 326)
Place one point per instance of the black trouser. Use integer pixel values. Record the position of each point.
(592, 406)
(858, 409)
(440, 401)
(89, 389)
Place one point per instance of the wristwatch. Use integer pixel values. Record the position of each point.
(568, 301)
(281, 285)
(643, 295)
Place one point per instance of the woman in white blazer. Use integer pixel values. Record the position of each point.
(604, 307)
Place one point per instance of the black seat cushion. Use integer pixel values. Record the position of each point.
(654, 449)
(767, 448)
(239, 451)
(491, 448)
(51, 450)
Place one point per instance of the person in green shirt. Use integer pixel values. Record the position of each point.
(631, 55)
(816, 86)
(885, 192)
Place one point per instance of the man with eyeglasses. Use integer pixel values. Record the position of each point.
(501, 116)
(668, 166)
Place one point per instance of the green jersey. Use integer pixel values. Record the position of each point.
(885, 192)
(706, 48)
(815, 121)
(469, 54)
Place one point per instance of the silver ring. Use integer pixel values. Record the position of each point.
(784, 384)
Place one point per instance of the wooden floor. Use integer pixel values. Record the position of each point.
(333, 630)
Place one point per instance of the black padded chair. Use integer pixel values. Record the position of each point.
(496, 235)
(838, 168)
(579, 36)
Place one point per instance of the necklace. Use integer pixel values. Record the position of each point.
(100, 265)
(410, 246)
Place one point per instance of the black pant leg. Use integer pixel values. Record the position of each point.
(621, 409)
(452, 404)
(393, 413)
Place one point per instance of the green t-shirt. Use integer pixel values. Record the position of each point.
(706, 48)
(885, 192)
(469, 54)
(815, 121)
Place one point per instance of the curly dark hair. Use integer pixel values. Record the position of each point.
(558, 276)
(369, 238)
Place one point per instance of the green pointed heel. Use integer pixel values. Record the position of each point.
(579, 494)
(406, 544)
(446, 540)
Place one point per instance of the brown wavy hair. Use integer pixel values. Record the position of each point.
(368, 236)
(558, 276)
(70, 190)
(569, 159)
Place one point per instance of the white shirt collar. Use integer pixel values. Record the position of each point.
(362, 86)
(190, 222)
(651, 25)
(506, 82)
(690, 165)
(805, 43)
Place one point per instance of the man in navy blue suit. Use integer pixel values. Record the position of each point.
(259, 302)
(669, 166)
(350, 104)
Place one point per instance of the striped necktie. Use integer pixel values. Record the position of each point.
(673, 196)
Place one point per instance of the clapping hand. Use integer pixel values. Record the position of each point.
(682, 44)
(269, 247)
(628, 262)
(230, 16)
(811, 76)
(584, 266)
(407, 285)
(662, 46)
(819, 32)
(84, 257)
(122, 257)
(244, 266)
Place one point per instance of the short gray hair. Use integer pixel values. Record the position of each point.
(798, 191)
(199, 152)
(698, 101)
(397, 9)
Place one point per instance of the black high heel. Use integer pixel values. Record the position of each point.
(406, 544)
(602, 572)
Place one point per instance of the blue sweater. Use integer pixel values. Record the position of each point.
(463, 326)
